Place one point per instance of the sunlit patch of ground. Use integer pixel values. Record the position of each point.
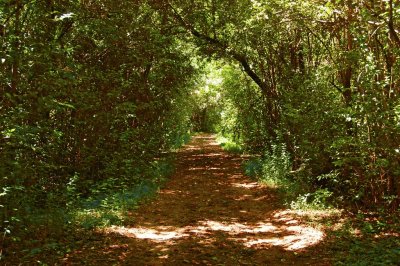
(290, 235)
(158, 234)
(295, 238)
(308, 213)
(316, 218)
(246, 185)
(214, 155)
(170, 192)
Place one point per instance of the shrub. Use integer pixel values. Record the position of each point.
(276, 165)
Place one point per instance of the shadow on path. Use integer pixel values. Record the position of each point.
(208, 213)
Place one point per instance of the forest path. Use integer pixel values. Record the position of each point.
(208, 213)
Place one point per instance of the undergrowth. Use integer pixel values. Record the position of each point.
(274, 169)
(368, 239)
(365, 239)
(50, 224)
(54, 230)
(180, 140)
(229, 145)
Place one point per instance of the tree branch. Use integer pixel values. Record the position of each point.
(220, 45)
(392, 31)
(242, 60)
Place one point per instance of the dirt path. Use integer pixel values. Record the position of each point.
(208, 214)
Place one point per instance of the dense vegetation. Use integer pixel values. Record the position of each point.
(316, 79)
(94, 94)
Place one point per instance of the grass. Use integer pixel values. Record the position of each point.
(113, 208)
(109, 206)
(229, 145)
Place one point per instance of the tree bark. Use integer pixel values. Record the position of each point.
(392, 31)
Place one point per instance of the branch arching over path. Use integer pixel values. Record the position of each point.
(221, 46)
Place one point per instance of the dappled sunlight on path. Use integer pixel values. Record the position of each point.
(289, 237)
(209, 213)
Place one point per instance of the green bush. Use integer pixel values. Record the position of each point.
(312, 200)
(276, 166)
(253, 167)
(228, 145)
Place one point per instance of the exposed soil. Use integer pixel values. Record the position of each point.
(208, 213)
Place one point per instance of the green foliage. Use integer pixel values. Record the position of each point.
(253, 167)
(384, 253)
(274, 170)
(206, 100)
(308, 72)
(228, 145)
(106, 208)
(85, 107)
(242, 113)
(373, 247)
(109, 203)
(91, 92)
(111, 200)
(320, 199)
(276, 165)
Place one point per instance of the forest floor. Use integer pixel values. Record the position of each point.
(208, 213)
